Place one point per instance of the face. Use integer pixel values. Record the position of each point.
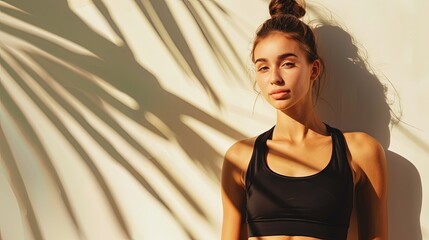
(283, 73)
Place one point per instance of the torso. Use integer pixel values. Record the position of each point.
(293, 160)
(359, 147)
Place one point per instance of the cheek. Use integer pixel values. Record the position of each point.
(300, 83)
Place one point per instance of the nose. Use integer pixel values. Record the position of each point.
(275, 77)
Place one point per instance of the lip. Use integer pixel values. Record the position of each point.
(279, 93)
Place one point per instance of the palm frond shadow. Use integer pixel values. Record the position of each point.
(71, 139)
(16, 180)
(108, 66)
(162, 20)
(216, 49)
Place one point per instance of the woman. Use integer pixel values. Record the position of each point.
(302, 179)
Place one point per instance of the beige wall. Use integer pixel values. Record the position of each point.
(115, 115)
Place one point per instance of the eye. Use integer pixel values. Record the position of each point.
(288, 64)
(262, 69)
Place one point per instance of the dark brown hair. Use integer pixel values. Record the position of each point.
(285, 18)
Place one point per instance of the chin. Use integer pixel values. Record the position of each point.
(281, 107)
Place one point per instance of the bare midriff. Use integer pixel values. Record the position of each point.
(283, 238)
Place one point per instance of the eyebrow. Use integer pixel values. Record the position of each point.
(280, 57)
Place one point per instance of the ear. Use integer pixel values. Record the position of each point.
(315, 69)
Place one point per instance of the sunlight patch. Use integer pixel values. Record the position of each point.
(159, 124)
(95, 20)
(120, 96)
(219, 141)
(7, 5)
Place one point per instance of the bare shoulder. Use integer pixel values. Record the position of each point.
(235, 163)
(362, 144)
(366, 152)
(240, 152)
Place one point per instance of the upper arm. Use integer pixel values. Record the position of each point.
(371, 189)
(233, 192)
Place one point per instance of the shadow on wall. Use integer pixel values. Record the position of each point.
(353, 99)
(69, 74)
(356, 95)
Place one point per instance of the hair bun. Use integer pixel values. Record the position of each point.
(280, 7)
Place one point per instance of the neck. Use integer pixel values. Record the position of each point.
(295, 125)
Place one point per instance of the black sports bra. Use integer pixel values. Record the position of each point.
(317, 206)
